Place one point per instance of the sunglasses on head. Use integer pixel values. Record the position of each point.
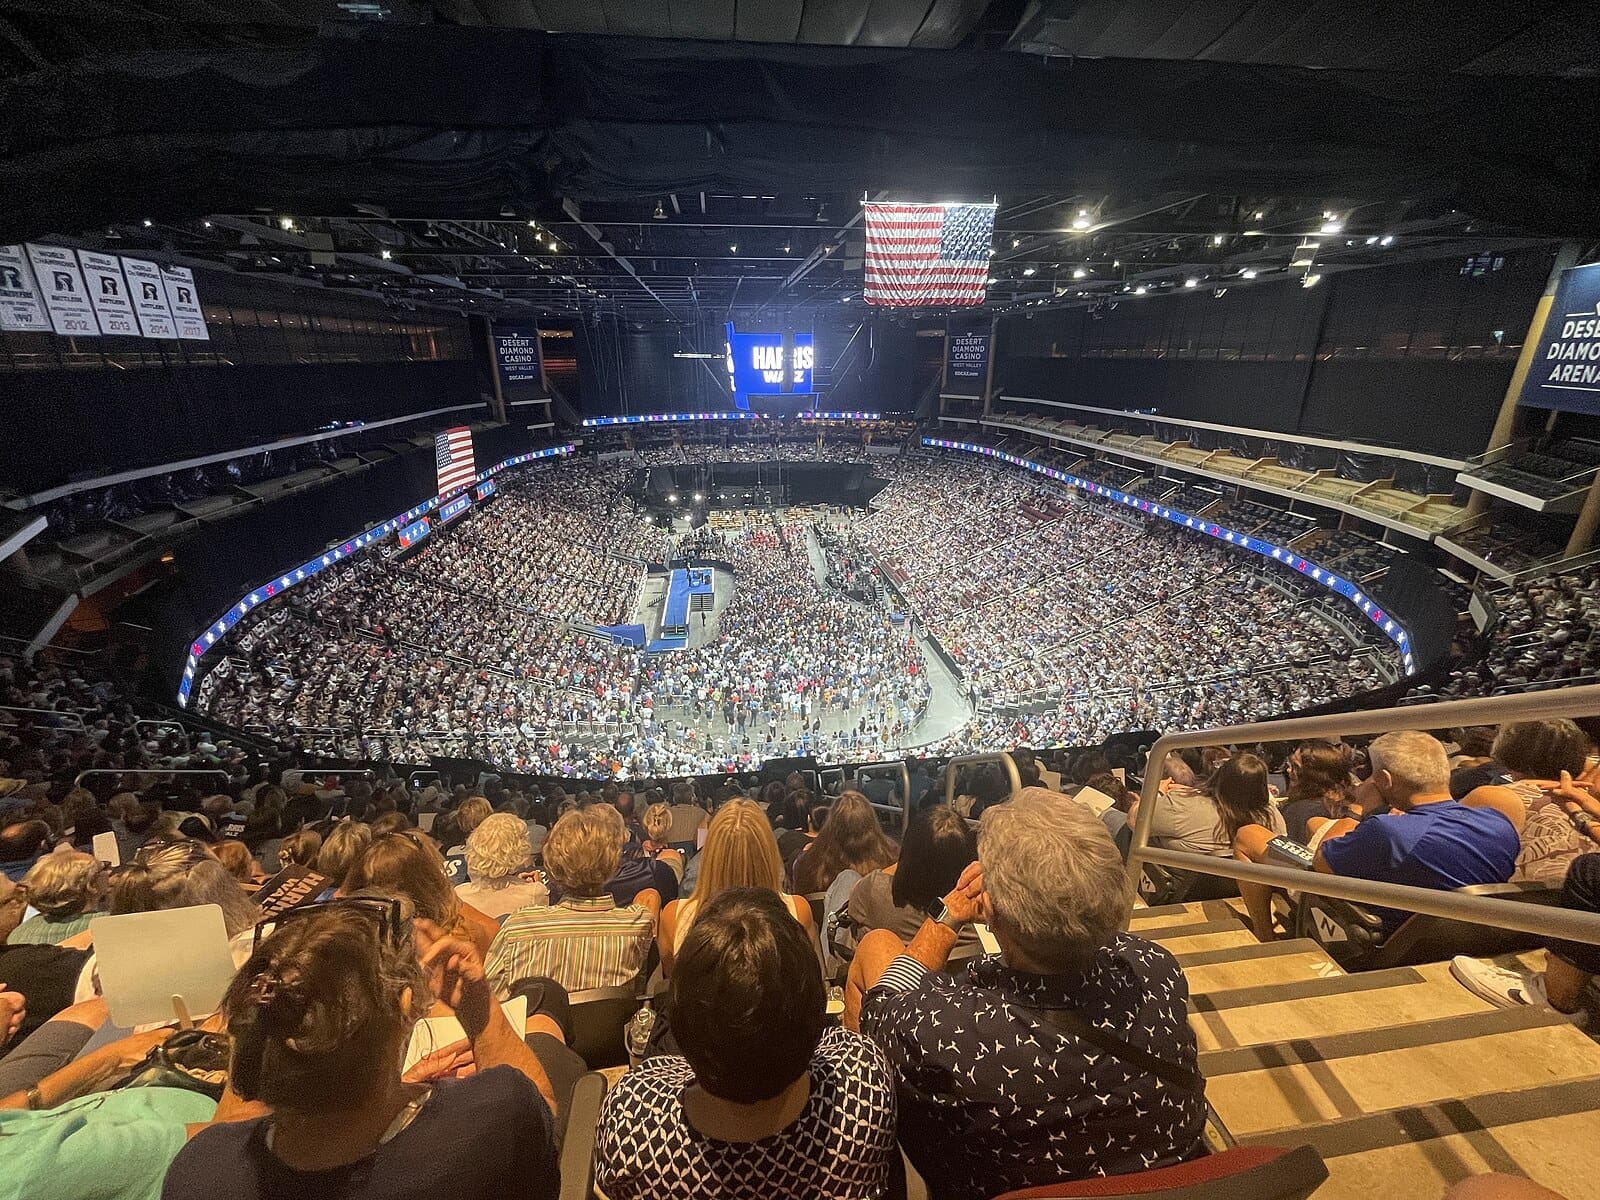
(387, 917)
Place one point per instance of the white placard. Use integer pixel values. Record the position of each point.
(435, 1033)
(108, 294)
(21, 310)
(144, 959)
(185, 304)
(107, 850)
(149, 296)
(60, 282)
(425, 821)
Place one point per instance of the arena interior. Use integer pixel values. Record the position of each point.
(953, 599)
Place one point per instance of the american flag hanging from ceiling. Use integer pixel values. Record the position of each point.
(927, 255)
(452, 454)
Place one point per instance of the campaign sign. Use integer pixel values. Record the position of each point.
(1565, 371)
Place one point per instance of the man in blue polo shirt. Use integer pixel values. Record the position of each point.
(1422, 836)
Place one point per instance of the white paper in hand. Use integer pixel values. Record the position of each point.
(144, 959)
(435, 1033)
(105, 849)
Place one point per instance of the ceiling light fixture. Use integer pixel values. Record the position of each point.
(1191, 282)
(385, 255)
(283, 222)
(1082, 220)
(1027, 270)
(1080, 273)
(148, 222)
(661, 211)
(1140, 290)
(1216, 239)
(1248, 273)
(1386, 240)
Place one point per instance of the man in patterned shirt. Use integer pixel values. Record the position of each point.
(766, 1103)
(1066, 1055)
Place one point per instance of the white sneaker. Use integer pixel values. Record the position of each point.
(1504, 988)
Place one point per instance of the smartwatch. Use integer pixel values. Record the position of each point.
(940, 912)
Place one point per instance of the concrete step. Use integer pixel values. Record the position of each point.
(1287, 1085)
(1257, 964)
(1251, 1016)
(1545, 1133)
(1188, 937)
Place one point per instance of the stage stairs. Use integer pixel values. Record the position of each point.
(1403, 1080)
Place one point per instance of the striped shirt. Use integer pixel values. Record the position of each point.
(580, 943)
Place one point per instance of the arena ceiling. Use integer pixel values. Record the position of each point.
(558, 157)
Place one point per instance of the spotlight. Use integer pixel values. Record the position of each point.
(1386, 240)
(385, 255)
(1248, 273)
(1216, 239)
(283, 222)
(1015, 242)
(1027, 270)
(698, 497)
(207, 224)
(672, 498)
(1191, 282)
(1079, 273)
(148, 222)
(1140, 290)
(1082, 221)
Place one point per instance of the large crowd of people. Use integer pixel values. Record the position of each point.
(479, 644)
(417, 907)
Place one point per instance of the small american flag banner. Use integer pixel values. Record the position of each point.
(928, 255)
(452, 454)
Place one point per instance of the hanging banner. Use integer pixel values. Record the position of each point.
(21, 310)
(516, 357)
(185, 304)
(149, 298)
(966, 350)
(61, 285)
(1565, 372)
(108, 294)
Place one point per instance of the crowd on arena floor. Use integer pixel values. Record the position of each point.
(462, 649)
(427, 900)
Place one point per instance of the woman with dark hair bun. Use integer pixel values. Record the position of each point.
(320, 1017)
(765, 1099)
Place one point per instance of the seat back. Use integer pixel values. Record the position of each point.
(1434, 939)
(577, 1150)
(1242, 1173)
(599, 1018)
(1161, 885)
(819, 908)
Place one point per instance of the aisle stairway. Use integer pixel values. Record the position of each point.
(1402, 1079)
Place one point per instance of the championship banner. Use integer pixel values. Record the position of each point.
(61, 285)
(108, 294)
(185, 304)
(21, 310)
(966, 357)
(1565, 372)
(149, 296)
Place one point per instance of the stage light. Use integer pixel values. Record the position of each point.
(673, 498)
(1079, 273)
(1191, 282)
(698, 497)
(1082, 220)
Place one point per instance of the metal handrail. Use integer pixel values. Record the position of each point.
(119, 772)
(48, 712)
(1003, 758)
(1539, 920)
(411, 779)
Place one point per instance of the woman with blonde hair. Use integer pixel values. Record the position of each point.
(498, 852)
(740, 852)
(411, 867)
(68, 888)
(346, 843)
(658, 831)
